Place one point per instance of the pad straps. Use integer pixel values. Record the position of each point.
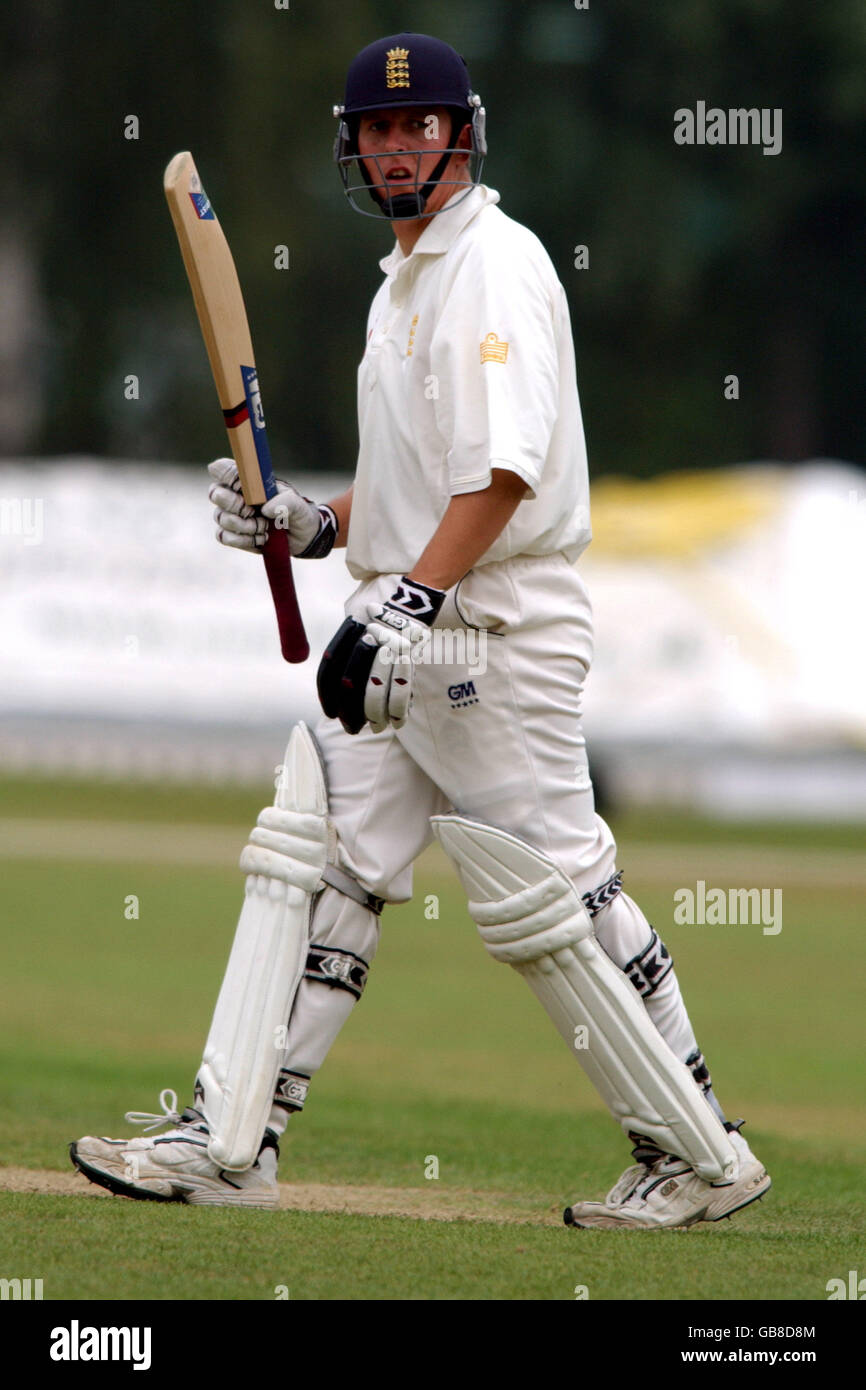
(344, 883)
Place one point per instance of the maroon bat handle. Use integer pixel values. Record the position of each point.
(278, 563)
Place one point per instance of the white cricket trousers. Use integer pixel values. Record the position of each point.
(497, 738)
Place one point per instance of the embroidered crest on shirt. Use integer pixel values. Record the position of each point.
(413, 325)
(493, 349)
(397, 67)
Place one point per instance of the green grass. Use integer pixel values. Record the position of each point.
(447, 1054)
(91, 799)
(88, 1249)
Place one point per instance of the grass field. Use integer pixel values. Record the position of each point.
(447, 1055)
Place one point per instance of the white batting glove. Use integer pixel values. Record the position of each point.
(398, 642)
(367, 671)
(312, 529)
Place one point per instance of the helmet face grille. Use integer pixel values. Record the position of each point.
(411, 202)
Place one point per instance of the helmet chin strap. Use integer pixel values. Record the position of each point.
(402, 206)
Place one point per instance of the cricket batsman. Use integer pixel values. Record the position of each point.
(468, 512)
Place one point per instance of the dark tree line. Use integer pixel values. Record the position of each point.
(702, 261)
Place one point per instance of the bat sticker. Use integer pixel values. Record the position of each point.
(203, 209)
(257, 420)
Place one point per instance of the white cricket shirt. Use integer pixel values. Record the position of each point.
(469, 366)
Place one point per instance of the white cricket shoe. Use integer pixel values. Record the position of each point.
(175, 1166)
(668, 1192)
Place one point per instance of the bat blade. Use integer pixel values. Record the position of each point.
(222, 317)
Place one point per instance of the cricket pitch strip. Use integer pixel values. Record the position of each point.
(420, 1203)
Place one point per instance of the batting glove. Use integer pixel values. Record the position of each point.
(312, 529)
(366, 674)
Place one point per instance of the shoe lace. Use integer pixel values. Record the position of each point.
(645, 1173)
(625, 1186)
(170, 1114)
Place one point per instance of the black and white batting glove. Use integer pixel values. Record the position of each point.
(312, 529)
(367, 671)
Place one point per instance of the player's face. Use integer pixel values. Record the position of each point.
(407, 143)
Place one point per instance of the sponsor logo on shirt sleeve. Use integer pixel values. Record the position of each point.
(494, 349)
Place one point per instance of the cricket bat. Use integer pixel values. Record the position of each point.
(223, 319)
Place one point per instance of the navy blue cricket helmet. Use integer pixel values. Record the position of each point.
(407, 70)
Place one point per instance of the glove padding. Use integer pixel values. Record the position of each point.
(366, 673)
(312, 529)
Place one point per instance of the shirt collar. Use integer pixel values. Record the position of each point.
(443, 229)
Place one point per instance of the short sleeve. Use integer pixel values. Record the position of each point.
(494, 359)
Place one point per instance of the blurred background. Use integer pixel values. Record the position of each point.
(728, 567)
